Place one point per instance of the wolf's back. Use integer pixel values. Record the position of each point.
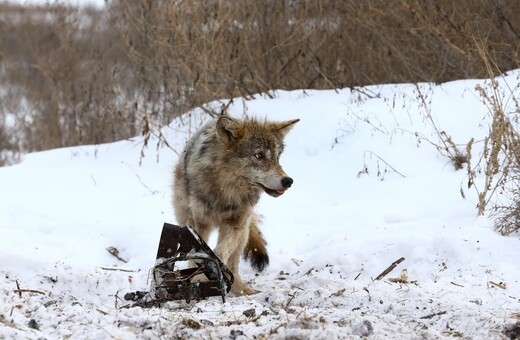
(181, 184)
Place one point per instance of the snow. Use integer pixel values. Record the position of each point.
(370, 187)
(76, 3)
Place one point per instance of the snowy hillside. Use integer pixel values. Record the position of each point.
(369, 188)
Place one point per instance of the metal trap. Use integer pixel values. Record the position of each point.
(208, 276)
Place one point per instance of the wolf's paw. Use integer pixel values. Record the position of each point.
(243, 289)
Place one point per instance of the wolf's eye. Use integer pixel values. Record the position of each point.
(259, 155)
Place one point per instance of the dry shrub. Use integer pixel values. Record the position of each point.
(81, 76)
(5, 146)
(508, 216)
(58, 77)
(500, 160)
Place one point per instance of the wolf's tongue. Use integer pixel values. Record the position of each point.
(280, 191)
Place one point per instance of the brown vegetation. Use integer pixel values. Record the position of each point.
(76, 76)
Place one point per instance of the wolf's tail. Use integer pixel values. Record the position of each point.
(255, 250)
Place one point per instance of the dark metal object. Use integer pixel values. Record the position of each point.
(183, 244)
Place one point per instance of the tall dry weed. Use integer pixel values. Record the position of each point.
(500, 160)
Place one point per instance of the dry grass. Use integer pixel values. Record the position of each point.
(500, 160)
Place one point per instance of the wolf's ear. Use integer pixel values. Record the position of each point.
(286, 126)
(228, 129)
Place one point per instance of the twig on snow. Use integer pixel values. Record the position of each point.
(119, 270)
(389, 269)
(18, 287)
(309, 271)
(429, 316)
(338, 293)
(101, 311)
(500, 285)
(20, 291)
(286, 304)
(115, 252)
(275, 330)
(388, 165)
(403, 278)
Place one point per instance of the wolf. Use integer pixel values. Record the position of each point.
(218, 180)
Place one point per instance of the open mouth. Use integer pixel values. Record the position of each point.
(272, 192)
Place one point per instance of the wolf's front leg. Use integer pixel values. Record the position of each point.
(239, 287)
(230, 245)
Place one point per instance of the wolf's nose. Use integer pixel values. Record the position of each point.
(287, 182)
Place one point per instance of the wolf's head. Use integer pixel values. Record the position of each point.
(253, 149)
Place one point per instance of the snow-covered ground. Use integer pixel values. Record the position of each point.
(370, 187)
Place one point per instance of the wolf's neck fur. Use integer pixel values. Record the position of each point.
(236, 190)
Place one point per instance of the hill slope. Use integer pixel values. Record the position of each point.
(370, 187)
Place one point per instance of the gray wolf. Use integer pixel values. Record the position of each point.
(218, 180)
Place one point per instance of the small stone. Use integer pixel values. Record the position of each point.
(363, 328)
(33, 324)
(250, 313)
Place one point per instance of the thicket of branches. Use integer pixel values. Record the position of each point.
(72, 76)
(79, 76)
